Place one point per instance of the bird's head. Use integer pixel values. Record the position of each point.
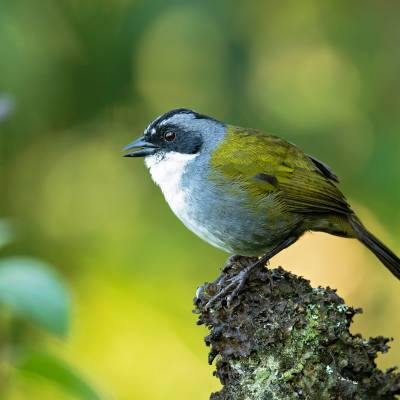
(180, 131)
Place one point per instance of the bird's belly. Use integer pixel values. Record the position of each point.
(195, 219)
(231, 225)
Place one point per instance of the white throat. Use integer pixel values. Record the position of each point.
(167, 173)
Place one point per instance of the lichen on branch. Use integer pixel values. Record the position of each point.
(281, 339)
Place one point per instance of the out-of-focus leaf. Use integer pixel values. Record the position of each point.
(57, 371)
(31, 290)
(6, 233)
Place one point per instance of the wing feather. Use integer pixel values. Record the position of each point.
(265, 164)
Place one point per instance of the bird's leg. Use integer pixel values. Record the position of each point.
(237, 260)
(237, 282)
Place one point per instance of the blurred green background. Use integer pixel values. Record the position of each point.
(79, 80)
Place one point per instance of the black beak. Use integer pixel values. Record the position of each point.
(142, 148)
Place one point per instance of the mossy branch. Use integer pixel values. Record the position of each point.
(283, 339)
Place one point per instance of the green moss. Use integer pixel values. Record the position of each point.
(258, 377)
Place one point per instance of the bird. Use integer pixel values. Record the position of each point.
(246, 192)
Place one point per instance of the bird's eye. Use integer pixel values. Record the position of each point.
(169, 136)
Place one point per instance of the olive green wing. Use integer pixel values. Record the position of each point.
(264, 165)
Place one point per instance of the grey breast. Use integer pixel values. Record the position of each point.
(227, 218)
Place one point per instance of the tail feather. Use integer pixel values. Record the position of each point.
(384, 254)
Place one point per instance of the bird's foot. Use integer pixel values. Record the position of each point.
(236, 261)
(233, 285)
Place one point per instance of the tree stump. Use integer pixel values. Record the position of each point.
(282, 339)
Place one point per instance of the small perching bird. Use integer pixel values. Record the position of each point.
(246, 192)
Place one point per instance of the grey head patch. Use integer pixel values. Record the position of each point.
(178, 116)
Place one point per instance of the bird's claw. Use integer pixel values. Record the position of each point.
(224, 291)
(235, 285)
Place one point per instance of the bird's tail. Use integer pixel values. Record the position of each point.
(385, 255)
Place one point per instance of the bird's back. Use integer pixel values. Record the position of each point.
(266, 165)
